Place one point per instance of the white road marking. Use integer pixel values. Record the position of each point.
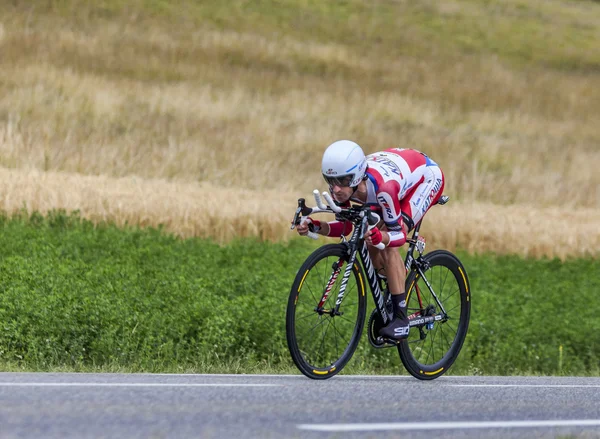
(448, 425)
(523, 385)
(135, 385)
(334, 378)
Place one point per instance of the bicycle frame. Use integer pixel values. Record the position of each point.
(320, 348)
(410, 262)
(356, 245)
(361, 218)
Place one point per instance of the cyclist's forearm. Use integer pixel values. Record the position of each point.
(325, 229)
(397, 234)
(397, 238)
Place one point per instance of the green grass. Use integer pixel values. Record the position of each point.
(78, 297)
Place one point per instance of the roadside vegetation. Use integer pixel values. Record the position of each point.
(101, 298)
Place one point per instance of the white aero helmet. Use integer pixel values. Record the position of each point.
(343, 164)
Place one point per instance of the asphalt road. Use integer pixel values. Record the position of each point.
(266, 406)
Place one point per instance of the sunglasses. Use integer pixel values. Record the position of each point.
(340, 180)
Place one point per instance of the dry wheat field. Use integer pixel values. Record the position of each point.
(211, 118)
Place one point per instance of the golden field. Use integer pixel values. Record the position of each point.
(191, 114)
(200, 209)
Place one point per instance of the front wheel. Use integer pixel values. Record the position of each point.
(432, 348)
(322, 337)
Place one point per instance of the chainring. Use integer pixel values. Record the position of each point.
(376, 323)
(373, 326)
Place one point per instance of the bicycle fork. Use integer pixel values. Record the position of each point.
(332, 279)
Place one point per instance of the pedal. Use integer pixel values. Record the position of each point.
(373, 327)
(387, 341)
(381, 343)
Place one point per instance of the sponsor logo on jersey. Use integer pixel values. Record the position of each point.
(387, 164)
(393, 167)
(436, 188)
(383, 202)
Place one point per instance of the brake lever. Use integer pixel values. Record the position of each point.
(301, 211)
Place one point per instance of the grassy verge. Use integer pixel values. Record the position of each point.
(74, 296)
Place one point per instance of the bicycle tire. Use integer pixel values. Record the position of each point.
(416, 351)
(305, 296)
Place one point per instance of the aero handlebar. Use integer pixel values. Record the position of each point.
(303, 211)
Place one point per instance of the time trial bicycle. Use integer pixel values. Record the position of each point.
(327, 307)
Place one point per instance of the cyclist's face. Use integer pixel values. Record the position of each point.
(339, 186)
(341, 193)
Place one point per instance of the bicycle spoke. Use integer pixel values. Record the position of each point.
(347, 320)
(449, 325)
(432, 345)
(442, 285)
(450, 296)
(316, 301)
(336, 339)
(313, 314)
(310, 330)
(324, 332)
(448, 311)
(448, 341)
(337, 348)
(325, 270)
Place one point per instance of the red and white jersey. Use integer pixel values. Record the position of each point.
(404, 184)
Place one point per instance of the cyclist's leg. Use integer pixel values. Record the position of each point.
(398, 328)
(377, 260)
(394, 267)
(388, 262)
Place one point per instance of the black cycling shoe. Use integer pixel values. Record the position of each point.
(398, 329)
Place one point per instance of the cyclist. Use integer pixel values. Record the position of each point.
(402, 184)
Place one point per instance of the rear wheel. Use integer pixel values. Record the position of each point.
(320, 340)
(431, 349)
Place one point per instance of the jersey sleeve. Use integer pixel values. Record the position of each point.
(387, 197)
(340, 226)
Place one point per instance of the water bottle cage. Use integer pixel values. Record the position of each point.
(420, 245)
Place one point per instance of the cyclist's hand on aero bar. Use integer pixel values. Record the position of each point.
(374, 236)
(308, 225)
